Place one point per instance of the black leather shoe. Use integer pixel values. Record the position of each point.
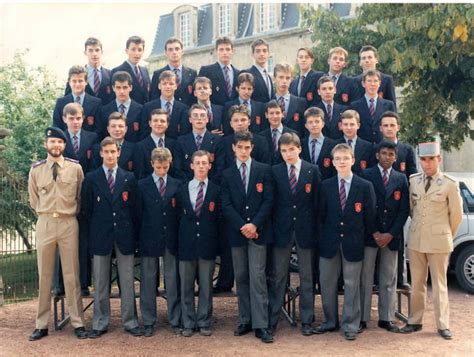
(136, 332)
(58, 292)
(323, 329)
(96, 333)
(350, 336)
(81, 332)
(264, 335)
(242, 329)
(446, 334)
(404, 286)
(389, 326)
(38, 334)
(306, 329)
(362, 326)
(272, 329)
(220, 289)
(148, 330)
(409, 328)
(85, 292)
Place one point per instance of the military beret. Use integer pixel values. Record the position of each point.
(428, 149)
(55, 132)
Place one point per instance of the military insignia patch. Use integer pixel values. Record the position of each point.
(363, 164)
(296, 117)
(402, 166)
(136, 126)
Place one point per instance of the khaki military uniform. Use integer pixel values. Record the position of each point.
(436, 216)
(57, 204)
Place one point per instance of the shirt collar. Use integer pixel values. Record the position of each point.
(286, 96)
(196, 134)
(279, 129)
(347, 179)
(164, 101)
(195, 182)
(297, 166)
(156, 178)
(106, 170)
(78, 134)
(60, 162)
(224, 65)
(367, 98)
(241, 101)
(320, 138)
(247, 163)
(261, 69)
(157, 138)
(381, 169)
(131, 64)
(172, 68)
(354, 139)
(126, 103)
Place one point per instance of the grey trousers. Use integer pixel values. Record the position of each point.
(249, 263)
(387, 282)
(148, 272)
(281, 260)
(330, 270)
(125, 263)
(187, 274)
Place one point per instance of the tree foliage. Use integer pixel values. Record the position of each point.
(428, 48)
(27, 97)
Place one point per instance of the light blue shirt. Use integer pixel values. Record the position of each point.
(353, 144)
(180, 72)
(248, 163)
(90, 75)
(318, 147)
(367, 98)
(156, 139)
(249, 105)
(106, 171)
(287, 101)
(231, 73)
(156, 179)
(347, 183)
(193, 188)
(297, 169)
(164, 101)
(81, 96)
(126, 104)
(78, 136)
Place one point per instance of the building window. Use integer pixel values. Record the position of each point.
(267, 17)
(185, 29)
(224, 20)
(270, 65)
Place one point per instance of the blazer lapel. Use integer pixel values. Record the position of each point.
(291, 108)
(237, 178)
(103, 185)
(119, 183)
(391, 185)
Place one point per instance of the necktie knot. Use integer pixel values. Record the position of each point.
(122, 109)
(246, 103)
(55, 170)
(349, 142)
(78, 99)
(160, 142)
(111, 180)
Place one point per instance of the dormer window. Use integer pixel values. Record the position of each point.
(185, 29)
(267, 17)
(225, 20)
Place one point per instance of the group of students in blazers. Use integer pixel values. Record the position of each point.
(188, 128)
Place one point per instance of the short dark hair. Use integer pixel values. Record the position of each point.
(325, 79)
(273, 104)
(109, 141)
(173, 40)
(259, 42)
(224, 41)
(369, 48)
(308, 50)
(196, 106)
(386, 144)
(92, 41)
(72, 109)
(370, 73)
(201, 80)
(289, 139)
(391, 115)
(243, 136)
(121, 76)
(136, 40)
(238, 109)
(245, 77)
(314, 112)
(117, 116)
(201, 153)
(166, 75)
(160, 111)
(77, 70)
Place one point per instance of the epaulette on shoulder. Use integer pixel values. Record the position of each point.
(415, 175)
(451, 178)
(38, 163)
(71, 160)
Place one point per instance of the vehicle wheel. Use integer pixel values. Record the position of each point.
(465, 269)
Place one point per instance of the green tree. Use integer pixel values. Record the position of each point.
(26, 104)
(428, 48)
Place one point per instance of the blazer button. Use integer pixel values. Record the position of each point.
(197, 223)
(115, 224)
(342, 223)
(294, 206)
(342, 235)
(198, 235)
(164, 227)
(248, 219)
(113, 214)
(294, 218)
(164, 213)
(246, 207)
(384, 211)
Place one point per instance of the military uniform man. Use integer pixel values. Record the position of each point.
(436, 207)
(54, 188)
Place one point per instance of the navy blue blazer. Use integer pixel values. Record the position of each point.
(219, 91)
(159, 217)
(142, 158)
(254, 206)
(331, 128)
(179, 121)
(91, 106)
(296, 213)
(106, 94)
(85, 155)
(309, 91)
(112, 217)
(267, 134)
(184, 93)
(406, 160)
(370, 128)
(260, 89)
(346, 90)
(349, 228)
(217, 117)
(258, 121)
(324, 162)
(134, 116)
(392, 205)
(125, 160)
(386, 89)
(198, 237)
(294, 116)
(364, 154)
(139, 94)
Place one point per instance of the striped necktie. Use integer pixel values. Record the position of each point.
(385, 178)
(372, 108)
(162, 187)
(243, 173)
(313, 151)
(293, 180)
(75, 144)
(342, 194)
(111, 180)
(227, 81)
(199, 199)
(96, 81)
(138, 74)
(198, 141)
(274, 139)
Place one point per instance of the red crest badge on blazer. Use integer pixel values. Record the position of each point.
(296, 117)
(358, 207)
(89, 154)
(125, 196)
(90, 120)
(397, 195)
(136, 126)
(309, 96)
(381, 95)
(173, 202)
(258, 121)
(327, 162)
(130, 165)
(402, 166)
(212, 206)
(108, 90)
(345, 97)
(213, 156)
(190, 89)
(259, 187)
(307, 188)
(363, 164)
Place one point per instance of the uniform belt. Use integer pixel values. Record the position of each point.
(57, 215)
